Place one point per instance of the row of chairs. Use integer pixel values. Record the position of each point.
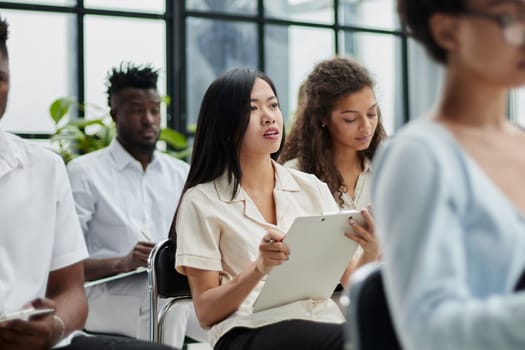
(368, 315)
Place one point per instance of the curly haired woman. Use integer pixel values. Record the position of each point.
(335, 138)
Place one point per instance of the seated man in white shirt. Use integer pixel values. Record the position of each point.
(126, 195)
(41, 248)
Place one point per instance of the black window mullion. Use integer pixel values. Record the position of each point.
(80, 61)
(260, 35)
(404, 80)
(336, 26)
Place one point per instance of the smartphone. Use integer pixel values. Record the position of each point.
(25, 314)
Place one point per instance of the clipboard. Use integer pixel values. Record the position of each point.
(320, 253)
(115, 277)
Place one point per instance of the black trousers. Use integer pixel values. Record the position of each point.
(286, 335)
(103, 342)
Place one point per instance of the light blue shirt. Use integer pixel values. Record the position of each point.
(453, 243)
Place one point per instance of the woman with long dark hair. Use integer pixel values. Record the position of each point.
(236, 205)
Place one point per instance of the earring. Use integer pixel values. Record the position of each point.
(323, 125)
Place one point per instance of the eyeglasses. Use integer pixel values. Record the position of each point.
(513, 27)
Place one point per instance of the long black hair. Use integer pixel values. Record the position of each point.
(223, 119)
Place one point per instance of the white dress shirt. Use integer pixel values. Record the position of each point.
(39, 231)
(116, 201)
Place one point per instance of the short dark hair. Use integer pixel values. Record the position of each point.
(415, 17)
(4, 35)
(130, 75)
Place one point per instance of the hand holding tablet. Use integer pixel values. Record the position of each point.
(321, 252)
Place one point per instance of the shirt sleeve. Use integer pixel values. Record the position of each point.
(418, 214)
(69, 246)
(82, 194)
(198, 234)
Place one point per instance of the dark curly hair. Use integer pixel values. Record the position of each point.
(129, 75)
(291, 147)
(308, 141)
(415, 18)
(4, 35)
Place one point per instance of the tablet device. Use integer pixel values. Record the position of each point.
(25, 314)
(319, 254)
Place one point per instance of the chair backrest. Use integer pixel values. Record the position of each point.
(369, 318)
(169, 282)
(164, 282)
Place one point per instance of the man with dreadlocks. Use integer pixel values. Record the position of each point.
(125, 197)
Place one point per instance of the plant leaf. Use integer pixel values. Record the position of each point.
(82, 123)
(166, 100)
(60, 107)
(183, 155)
(173, 138)
(192, 128)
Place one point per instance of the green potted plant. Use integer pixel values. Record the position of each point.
(74, 137)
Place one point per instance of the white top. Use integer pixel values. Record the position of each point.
(116, 199)
(362, 188)
(453, 245)
(218, 233)
(39, 229)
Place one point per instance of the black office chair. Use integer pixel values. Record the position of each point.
(164, 282)
(368, 317)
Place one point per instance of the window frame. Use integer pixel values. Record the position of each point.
(175, 18)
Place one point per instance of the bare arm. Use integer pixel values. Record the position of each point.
(99, 268)
(66, 288)
(65, 294)
(214, 302)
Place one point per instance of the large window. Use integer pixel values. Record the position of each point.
(124, 40)
(154, 6)
(40, 66)
(291, 52)
(286, 38)
(70, 45)
(214, 46)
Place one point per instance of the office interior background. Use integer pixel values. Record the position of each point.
(66, 48)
